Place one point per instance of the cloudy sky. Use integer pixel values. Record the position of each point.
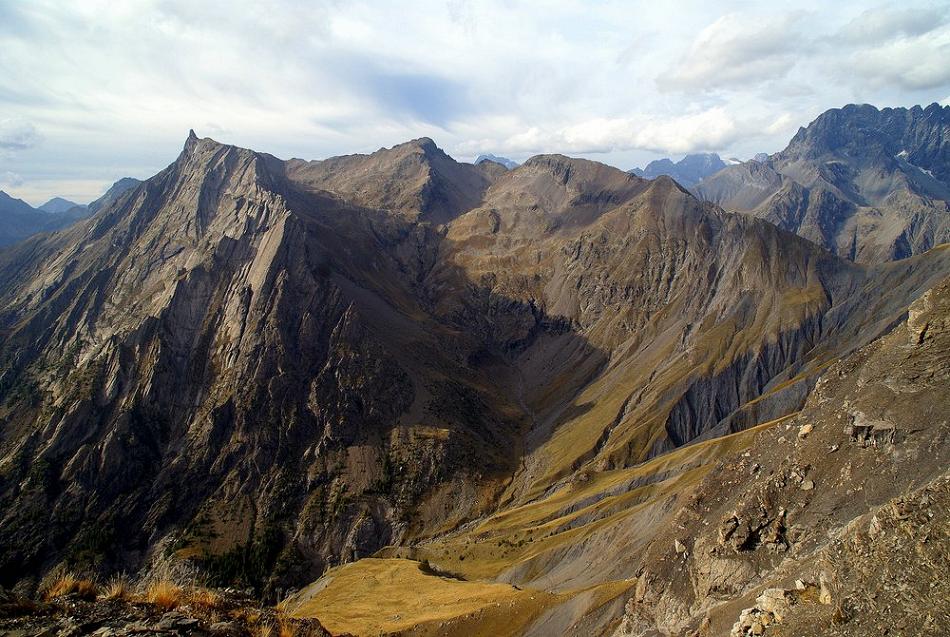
(93, 91)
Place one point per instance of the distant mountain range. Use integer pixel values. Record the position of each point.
(58, 205)
(19, 220)
(504, 161)
(688, 171)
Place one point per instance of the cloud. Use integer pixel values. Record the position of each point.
(17, 134)
(916, 63)
(114, 91)
(710, 130)
(737, 50)
(10, 179)
(881, 24)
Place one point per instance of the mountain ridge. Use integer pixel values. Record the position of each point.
(296, 365)
(688, 171)
(851, 182)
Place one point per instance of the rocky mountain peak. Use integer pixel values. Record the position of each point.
(415, 178)
(688, 171)
(862, 130)
(869, 184)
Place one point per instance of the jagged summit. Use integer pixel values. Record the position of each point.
(688, 171)
(869, 184)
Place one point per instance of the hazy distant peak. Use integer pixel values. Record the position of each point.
(504, 161)
(688, 171)
(58, 205)
(12, 205)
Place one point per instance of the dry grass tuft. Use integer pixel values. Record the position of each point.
(164, 594)
(264, 630)
(86, 589)
(286, 629)
(70, 584)
(205, 599)
(117, 588)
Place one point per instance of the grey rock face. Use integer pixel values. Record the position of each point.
(870, 185)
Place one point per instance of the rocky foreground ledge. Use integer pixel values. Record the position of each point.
(168, 610)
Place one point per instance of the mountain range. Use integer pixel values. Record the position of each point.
(870, 185)
(504, 161)
(688, 171)
(19, 220)
(433, 397)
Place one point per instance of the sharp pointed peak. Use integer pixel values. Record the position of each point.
(191, 141)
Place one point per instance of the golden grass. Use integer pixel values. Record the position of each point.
(263, 630)
(117, 588)
(205, 599)
(70, 584)
(374, 596)
(164, 594)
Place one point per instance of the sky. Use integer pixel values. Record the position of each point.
(91, 91)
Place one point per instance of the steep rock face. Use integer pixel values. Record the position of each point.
(818, 501)
(868, 184)
(199, 353)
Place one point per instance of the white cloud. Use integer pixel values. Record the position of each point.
(710, 130)
(916, 63)
(115, 86)
(10, 179)
(17, 134)
(737, 49)
(880, 24)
